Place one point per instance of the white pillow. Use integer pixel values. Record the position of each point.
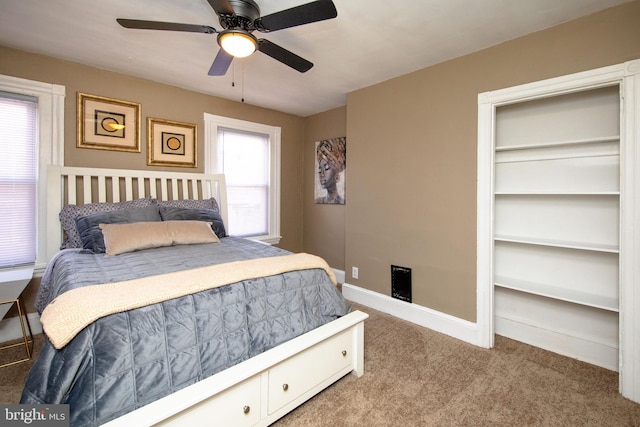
(121, 238)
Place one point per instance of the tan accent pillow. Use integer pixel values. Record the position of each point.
(121, 238)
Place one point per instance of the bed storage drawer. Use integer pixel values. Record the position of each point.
(300, 374)
(306, 364)
(239, 406)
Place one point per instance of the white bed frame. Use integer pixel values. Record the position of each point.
(257, 391)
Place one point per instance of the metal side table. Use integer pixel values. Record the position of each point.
(12, 283)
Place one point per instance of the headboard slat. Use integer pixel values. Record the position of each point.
(206, 189)
(115, 189)
(194, 189)
(152, 188)
(141, 191)
(185, 188)
(86, 189)
(163, 189)
(174, 187)
(102, 187)
(72, 191)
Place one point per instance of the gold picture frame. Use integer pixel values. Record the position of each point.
(171, 143)
(107, 123)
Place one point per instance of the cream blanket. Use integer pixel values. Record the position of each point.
(72, 311)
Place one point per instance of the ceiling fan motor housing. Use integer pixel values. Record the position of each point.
(246, 12)
(240, 24)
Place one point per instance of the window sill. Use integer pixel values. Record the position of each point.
(267, 240)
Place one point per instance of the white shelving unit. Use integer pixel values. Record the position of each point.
(559, 219)
(557, 223)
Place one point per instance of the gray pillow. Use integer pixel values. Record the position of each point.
(190, 204)
(89, 231)
(69, 213)
(207, 215)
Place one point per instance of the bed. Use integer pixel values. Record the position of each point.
(152, 319)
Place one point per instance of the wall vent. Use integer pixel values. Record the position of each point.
(401, 283)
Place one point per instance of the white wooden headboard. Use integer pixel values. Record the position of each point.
(74, 185)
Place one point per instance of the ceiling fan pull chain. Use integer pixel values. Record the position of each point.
(242, 78)
(233, 74)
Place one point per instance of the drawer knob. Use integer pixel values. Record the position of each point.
(285, 387)
(246, 409)
(344, 353)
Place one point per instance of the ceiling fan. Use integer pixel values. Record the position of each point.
(239, 19)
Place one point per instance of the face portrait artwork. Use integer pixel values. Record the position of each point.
(331, 164)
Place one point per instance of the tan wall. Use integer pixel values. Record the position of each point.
(323, 224)
(412, 155)
(411, 196)
(166, 102)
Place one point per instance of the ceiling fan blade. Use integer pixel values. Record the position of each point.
(169, 26)
(283, 55)
(220, 64)
(298, 15)
(222, 7)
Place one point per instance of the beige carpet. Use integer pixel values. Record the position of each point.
(12, 377)
(417, 377)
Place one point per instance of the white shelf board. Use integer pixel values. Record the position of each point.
(550, 291)
(611, 138)
(558, 243)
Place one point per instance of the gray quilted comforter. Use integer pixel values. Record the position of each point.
(126, 360)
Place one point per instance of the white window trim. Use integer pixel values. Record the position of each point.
(211, 125)
(50, 145)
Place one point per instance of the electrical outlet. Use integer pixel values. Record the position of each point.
(354, 272)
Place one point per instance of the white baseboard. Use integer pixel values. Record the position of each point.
(340, 275)
(432, 319)
(10, 328)
(598, 354)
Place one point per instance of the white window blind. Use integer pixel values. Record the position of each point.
(18, 179)
(244, 159)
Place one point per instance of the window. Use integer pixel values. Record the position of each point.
(244, 159)
(46, 102)
(249, 156)
(18, 179)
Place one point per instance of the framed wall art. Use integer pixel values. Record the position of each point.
(107, 123)
(331, 165)
(171, 143)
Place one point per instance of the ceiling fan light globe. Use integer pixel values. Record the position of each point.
(237, 43)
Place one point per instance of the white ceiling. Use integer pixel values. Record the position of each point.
(369, 42)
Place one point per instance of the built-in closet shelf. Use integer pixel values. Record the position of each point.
(563, 294)
(554, 162)
(584, 246)
(568, 143)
